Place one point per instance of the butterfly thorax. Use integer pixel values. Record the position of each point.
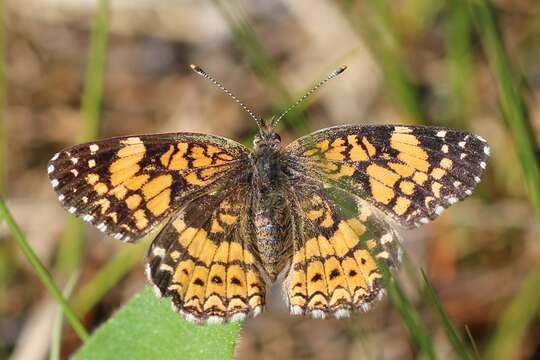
(270, 208)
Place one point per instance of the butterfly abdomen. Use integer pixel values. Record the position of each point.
(270, 210)
(271, 217)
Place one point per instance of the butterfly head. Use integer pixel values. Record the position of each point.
(268, 140)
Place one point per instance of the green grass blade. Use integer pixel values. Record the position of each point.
(512, 102)
(95, 73)
(56, 339)
(460, 61)
(107, 277)
(455, 339)
(71, 245)
(41, 271)
(409, 314)
(3, 135)
(518, 316)
(147, 328)
(516, 319)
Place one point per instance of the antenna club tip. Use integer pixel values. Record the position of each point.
(339, 70)
(197, 69)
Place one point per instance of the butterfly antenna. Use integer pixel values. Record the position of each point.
(204, 74)
(332, 75)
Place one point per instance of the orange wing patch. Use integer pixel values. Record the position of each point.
(202, 260)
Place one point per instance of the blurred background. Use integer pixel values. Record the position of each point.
(410, 61)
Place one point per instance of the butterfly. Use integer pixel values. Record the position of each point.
(319, 213)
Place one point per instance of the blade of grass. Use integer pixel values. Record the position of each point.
(511, 100)
(95, 73)
(72, 243)
(41, 271)
(108, 276)
(455, 339)
(516, 319)
(473, 343)
(56, 339)
(460, 62)
(3, 88)
(409, 314)
(382, 39)
(505, 343)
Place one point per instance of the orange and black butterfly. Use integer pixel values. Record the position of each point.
(320, 210)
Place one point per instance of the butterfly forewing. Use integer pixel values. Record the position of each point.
(411, 173)
(126, 185)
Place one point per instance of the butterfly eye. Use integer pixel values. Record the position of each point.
(277, 137)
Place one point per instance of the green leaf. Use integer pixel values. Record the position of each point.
(147, 328)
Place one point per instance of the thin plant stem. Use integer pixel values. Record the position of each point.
(41, 271)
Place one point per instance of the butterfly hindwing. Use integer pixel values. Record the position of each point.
(411, 173)
(203, 259)
(127, 185)
(339, 246)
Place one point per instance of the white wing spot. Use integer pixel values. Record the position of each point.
(102, 227)
(365, 307)
(424, 220)
(486, 150)
(318, 314)
(462, 144)
(167, 268)
(61, 197)
(441, 133)
(218, 320)
(157, 292)
(468, 192)
(88, 218)
(74, 172)
(386, 238)
(453, 200)
(439, 210)
(74, 160)
(341, 313)
(55, 157)
(444, 148)
(72, 210)
(477, 179)
(483, 165)
(462, 156)
(296, 310)
(235, 318)
(54, 183)
(159, 251)
(481, 138)
(256, 311)
(93, 148)
(117, 236)
(50, 169)
(91, 163)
